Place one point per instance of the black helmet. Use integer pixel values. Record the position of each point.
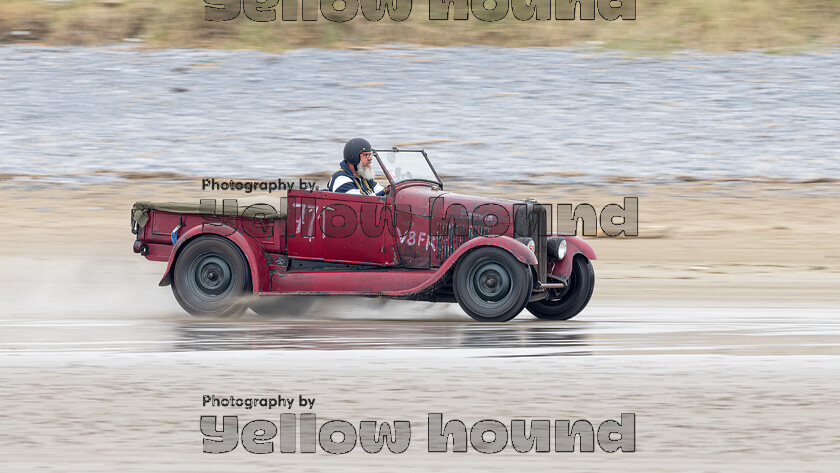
(354, 148)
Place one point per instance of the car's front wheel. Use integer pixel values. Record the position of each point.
(580, 286)
(491, 285)
(211, 277)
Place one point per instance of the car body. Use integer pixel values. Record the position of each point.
(492, 256)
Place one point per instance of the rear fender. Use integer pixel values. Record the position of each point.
(574, 246)
(252, 250)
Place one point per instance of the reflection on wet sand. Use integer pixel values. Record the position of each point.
(619, 331)
(199, 336)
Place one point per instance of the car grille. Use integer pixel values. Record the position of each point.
(530, 221)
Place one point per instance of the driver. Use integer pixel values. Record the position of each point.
(356, 174)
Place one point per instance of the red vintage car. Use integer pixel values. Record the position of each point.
(492, 256)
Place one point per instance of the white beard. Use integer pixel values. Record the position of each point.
(366, 171)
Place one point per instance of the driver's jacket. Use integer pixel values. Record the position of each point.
(344, 181)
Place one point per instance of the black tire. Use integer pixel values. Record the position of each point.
(491, 285)
(281, 306)
(211, 278)
(581, 285)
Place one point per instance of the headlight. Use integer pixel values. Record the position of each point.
(556, 247)
(529, 242)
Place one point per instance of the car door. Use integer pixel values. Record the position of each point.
(304, 239)
(354, 229)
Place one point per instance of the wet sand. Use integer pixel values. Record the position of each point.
(717, 327)
(724, 407)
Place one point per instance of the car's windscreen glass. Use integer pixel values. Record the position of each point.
(407, 166)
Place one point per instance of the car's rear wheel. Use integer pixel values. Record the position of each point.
(211, 278)
(491, 285)
(281, 306)
(580, 286)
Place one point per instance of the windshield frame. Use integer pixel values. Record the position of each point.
(397, 150)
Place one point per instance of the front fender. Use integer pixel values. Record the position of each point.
(574, 246)
(254, 254)
(512, 246)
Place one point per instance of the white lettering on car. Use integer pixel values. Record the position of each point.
(413, 238)
(300, 217)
